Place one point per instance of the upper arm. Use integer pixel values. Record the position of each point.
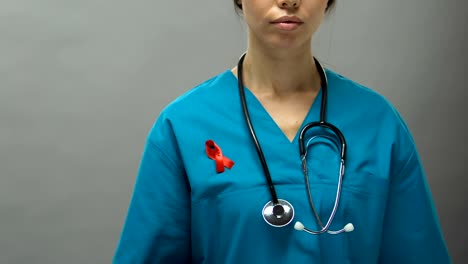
(411, 230)
(157, 226)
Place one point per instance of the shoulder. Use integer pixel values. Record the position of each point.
(351, 95)
(353, 90)
(195, 105)
(195, 99)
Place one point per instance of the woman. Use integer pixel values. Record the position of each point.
(202, 193)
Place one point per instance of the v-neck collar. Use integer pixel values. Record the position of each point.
(257, 110)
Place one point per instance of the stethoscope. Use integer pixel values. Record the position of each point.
(279, 212)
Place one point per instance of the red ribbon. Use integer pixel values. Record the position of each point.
(214, 152)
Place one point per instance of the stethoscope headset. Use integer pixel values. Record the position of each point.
(279, 212)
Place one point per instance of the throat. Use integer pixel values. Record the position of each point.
(289, 112)
(281, 76)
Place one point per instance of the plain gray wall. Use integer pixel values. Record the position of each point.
(81, 83)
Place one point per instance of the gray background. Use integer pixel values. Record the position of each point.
(81, 83)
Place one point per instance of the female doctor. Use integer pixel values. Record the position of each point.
(279, 160)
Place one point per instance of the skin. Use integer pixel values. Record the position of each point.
(279, 68)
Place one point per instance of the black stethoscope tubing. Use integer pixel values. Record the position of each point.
(266, 171)
(278, 209)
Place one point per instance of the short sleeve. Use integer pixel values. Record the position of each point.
(411, 230)
(157, 226)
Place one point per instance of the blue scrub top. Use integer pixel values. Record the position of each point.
(183, 211)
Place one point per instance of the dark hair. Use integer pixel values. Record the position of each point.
(330, 5)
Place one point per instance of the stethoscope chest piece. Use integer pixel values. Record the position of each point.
(278, 215)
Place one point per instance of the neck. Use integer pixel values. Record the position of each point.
(280, 72)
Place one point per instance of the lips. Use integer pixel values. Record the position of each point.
(288, 19)
(287, 23)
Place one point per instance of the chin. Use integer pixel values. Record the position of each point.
(288, 42)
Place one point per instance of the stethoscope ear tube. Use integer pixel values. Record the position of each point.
(324, 124)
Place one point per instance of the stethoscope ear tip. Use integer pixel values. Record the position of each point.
(298, 226)
(349, 228)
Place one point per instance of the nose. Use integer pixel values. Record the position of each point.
(289, 3)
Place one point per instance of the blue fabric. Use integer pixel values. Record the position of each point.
(182, 211)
